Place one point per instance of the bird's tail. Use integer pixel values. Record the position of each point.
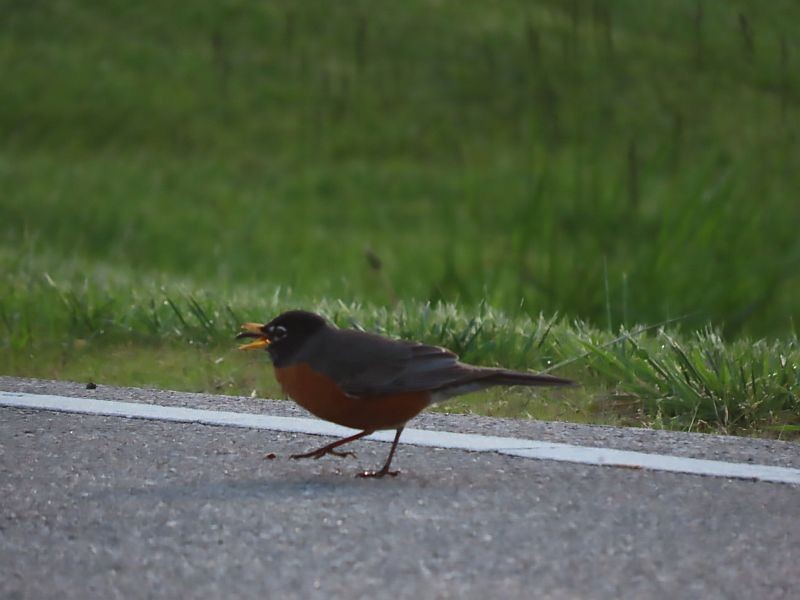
(506, 377)
(472, 379)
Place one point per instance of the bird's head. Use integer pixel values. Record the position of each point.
(284, 335)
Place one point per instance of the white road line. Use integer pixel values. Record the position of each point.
(442, 439)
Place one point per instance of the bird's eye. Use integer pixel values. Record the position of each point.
(278, 332)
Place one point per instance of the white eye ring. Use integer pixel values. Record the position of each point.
(279, 332)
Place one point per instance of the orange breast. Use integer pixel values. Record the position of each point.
(321, 396)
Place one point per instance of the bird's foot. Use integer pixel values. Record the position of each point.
(342, 454)
(320, 452)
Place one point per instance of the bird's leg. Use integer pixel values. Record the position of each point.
(331, 448)
(385, 469)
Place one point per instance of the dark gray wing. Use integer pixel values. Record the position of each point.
(375, 365)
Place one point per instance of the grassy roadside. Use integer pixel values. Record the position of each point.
(168, 171)
(83, 324)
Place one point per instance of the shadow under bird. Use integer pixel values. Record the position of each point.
(366, 381)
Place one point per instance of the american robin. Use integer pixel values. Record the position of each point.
(366, 381)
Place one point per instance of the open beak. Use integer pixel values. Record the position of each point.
(253, 330)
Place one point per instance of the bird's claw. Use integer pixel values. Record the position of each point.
(342, 454)
(315, 454)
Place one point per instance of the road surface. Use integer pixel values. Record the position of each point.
(107, 507)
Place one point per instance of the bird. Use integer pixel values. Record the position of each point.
(367, 381)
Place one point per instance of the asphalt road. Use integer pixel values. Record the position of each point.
(106, 507)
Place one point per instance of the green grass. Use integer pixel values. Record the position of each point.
(447, 171)
(119, 328)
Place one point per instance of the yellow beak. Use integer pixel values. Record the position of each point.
(253, 330)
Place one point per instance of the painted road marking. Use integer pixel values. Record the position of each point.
(524, 448)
